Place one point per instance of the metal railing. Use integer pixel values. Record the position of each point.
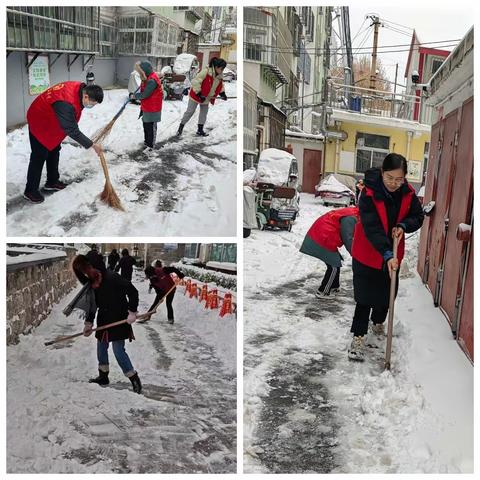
(29, 31)
(367, 101)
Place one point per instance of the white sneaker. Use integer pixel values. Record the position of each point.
(357, 349)
(333, 293)
(148, 150)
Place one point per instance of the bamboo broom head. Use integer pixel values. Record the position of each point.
(110, 197)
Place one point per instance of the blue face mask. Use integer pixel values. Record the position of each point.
(88, 105)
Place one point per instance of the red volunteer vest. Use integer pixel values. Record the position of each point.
(154, 102)
(162, 280)
(206, 87)
(326, 230)
(362, 250)
(41, 117)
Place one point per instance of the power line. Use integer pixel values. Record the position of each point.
(319, 51)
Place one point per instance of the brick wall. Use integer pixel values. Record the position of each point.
(32, 290)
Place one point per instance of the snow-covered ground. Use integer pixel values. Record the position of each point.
(187, 187)
(307, 408)
(184, 422)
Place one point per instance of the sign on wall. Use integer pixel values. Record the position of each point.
(38, 74)
(414, 170)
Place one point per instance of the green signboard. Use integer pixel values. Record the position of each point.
(38, 74)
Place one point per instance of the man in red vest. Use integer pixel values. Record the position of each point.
(151, 100)
(52, 116)
(162, 282)
(206, 87)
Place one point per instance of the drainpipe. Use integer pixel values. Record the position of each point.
(337, 155)
(409, 144)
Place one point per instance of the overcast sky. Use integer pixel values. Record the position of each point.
(431, 25)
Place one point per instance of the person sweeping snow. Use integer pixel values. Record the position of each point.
(206, 86)
(162, 282)
(388, 207)
(52, 116)
(151, 101)
(110, 299)
(327, 234)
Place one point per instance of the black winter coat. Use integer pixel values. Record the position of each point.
(125, 266)
(371, 286)
(114, 297)
(113, 259)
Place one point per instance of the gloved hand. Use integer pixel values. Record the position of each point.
(132, 317)
(223, 96)
(87, 329)
(185, 92)
(201, 97)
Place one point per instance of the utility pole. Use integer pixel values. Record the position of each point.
(373, 69)
(304, 54)
(392, 110)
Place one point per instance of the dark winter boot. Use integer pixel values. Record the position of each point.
(137, 385)
(170, 321)
(102, 378)
(180, 129)
(201, 132)
(34, 197)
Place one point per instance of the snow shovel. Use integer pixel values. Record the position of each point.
(108, 194)
(114, 324)
(391, 306)
(148, 314)
(105, 131)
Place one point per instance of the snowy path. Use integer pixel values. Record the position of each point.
(183, 188)
(185, 421)
(308, 408)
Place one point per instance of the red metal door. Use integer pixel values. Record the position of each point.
(442, 199)
(212, 55)
(459, 212)
(465, 327)
(312, 168)
(430, 194)
(199, 56)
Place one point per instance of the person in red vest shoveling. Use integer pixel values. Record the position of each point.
(388, 207)
(52, 116)
(327, 234)
(151, 101)
(162, 282)
(206, 87)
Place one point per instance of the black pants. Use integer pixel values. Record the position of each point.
(169, 302)
(362, 316)
(39, 155)
(330, 280)
(150, 131)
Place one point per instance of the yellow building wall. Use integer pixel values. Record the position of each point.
(398, 144)
(229, 52)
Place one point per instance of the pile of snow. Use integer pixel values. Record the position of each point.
(203, 275)
(223, 265)
(331, 184)
(249, 176)
(183, 63)
(274, 166)
(17, 255)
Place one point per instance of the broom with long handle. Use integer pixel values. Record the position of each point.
(108, 194)
(142, 316)
(104, 132)
(391, 308)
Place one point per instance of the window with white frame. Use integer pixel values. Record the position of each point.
(370, 151)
